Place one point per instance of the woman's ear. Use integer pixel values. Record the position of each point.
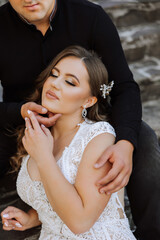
(90, 102)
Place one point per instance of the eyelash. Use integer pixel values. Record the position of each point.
(52, 75)
(70, 83)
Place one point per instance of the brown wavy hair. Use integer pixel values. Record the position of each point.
(98, 75)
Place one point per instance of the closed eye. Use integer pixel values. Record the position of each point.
(53, 75)
(72, 84)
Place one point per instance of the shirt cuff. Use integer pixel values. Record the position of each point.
(126, 133)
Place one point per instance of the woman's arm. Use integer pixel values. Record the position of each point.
(78, 205)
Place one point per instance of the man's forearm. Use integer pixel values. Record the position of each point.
(10, 115)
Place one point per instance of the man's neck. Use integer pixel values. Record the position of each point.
(43, 27)
(45, 23)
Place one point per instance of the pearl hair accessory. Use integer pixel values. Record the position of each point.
(106, 89)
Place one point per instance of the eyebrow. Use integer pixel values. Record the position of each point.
(68, 74)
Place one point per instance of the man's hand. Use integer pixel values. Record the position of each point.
(120, 156)
(37, 109)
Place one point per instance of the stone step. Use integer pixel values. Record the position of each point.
(2, 2)
(129, 13)
(147, 74)
(138, 25)
(137, 41)
(151, 115)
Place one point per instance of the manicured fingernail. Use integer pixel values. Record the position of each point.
(96, 165)
(28, 111)
(26, 118)
(44, 110)
(6, 224)
(18, 225)
(5, 215)
(42, 126)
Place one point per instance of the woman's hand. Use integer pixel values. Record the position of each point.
(120, 156)
(37, 140)
(37, 109)
(16, 219)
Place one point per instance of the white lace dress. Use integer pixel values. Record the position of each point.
(111, 225)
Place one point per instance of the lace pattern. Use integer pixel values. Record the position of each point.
(110, 225)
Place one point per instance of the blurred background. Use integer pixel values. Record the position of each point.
(138, 24)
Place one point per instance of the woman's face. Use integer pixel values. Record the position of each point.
(67, 90)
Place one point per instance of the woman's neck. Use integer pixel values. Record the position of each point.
(65, 125)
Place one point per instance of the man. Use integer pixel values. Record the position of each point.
(32, 33)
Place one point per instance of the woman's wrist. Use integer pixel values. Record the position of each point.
(45, 161)
(33, 219)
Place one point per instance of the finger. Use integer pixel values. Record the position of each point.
(8, 215)
(115, 184)
(15, 224)
(45, 130)
(28, 123)
(119, 187)
(50, 114)
(48, 121)
(34, 121)
(7, 227)
(6, 211)
(11, 213)
(111, 175)
(103, 159)
(34, 107)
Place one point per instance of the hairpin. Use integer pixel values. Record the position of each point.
(106, 89)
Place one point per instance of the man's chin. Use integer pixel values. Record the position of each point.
(33, 17)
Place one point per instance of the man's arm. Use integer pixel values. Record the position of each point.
(125, 96)
(13, 114)
(126, 104)
(10, 114)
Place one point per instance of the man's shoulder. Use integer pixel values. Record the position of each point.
(4, 10)
(4, 7)
(83, 4)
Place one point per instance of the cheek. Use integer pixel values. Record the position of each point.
(44, 89)
(73, 95)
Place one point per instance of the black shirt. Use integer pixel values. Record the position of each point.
(25, 52)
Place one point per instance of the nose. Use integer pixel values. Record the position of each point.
(56, 83)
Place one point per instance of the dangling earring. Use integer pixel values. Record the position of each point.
(84, 113)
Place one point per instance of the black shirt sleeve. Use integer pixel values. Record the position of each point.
(10, 115)
(125, 96)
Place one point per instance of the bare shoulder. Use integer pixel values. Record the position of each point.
(101, 135)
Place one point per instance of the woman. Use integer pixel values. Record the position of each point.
(57, 178)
